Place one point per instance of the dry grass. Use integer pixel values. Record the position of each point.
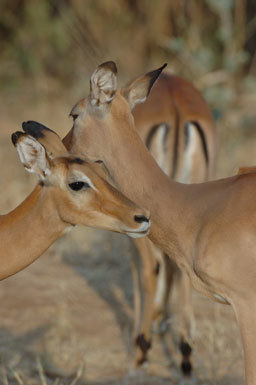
(67, 319)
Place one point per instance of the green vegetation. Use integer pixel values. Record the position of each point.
(211, 42)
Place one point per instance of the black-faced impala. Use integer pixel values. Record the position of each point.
(209, 229)
(71, 191)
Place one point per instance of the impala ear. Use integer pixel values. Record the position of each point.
(47, 137)
(32, 154)
(103, 84)
(138, 90)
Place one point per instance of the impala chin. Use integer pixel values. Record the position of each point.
(140, 232)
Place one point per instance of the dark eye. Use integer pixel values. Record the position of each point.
(74, 116)
(76, 186)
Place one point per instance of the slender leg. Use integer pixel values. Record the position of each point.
(135, 267)
(144, 299)
(186, 323)
(184, 313)
(164, 285)
(246, 316)
(151, 303)
(161, 303)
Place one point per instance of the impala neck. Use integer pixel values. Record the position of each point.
(139, 177)
(27, 231)
(136, 174)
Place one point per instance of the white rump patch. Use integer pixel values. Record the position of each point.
(194, 144)
(158, 147)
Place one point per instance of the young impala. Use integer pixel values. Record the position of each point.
(207, 228)
(71, 191)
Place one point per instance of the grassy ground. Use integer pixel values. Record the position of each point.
(67, 319)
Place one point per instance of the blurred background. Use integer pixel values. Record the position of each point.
(52, 45)
(68, 317)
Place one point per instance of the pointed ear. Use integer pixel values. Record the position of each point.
(103, 84)
(138, 90)
(47, 137)
(32, 154)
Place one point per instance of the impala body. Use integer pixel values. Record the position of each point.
(178, 129)
(207, 228)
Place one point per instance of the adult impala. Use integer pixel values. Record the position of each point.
(71, 191)
(177, 127)
(207, 228)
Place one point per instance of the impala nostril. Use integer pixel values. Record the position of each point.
(140, 218)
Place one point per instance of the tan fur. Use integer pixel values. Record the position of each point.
(246, 169)
(207, 228)
(175, 102)
(27, 231)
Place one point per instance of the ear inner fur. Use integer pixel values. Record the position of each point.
(103, 84)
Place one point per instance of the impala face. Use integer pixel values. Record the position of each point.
(92, 201)
(80, 192)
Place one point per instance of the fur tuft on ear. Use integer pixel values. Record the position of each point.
(32, 154)
(103, 84)
(138, 90)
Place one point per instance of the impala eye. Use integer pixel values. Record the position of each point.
(76, 186)
(74, 116)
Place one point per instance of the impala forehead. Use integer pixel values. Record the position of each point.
(74, 169)
(79, 107)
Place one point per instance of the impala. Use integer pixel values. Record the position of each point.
(208, 229)
(177, 127)
(71, 191)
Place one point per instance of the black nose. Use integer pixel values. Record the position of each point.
(140, 218)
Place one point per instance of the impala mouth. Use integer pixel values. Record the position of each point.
(137, 234)
(142, 231)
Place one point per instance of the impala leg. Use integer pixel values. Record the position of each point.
(144, 299)
(161, 303)
(164, 284)
(246, 317)
(137, 300)
(186, 323)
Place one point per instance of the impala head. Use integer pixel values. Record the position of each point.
(78, 188)
(106, 109)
